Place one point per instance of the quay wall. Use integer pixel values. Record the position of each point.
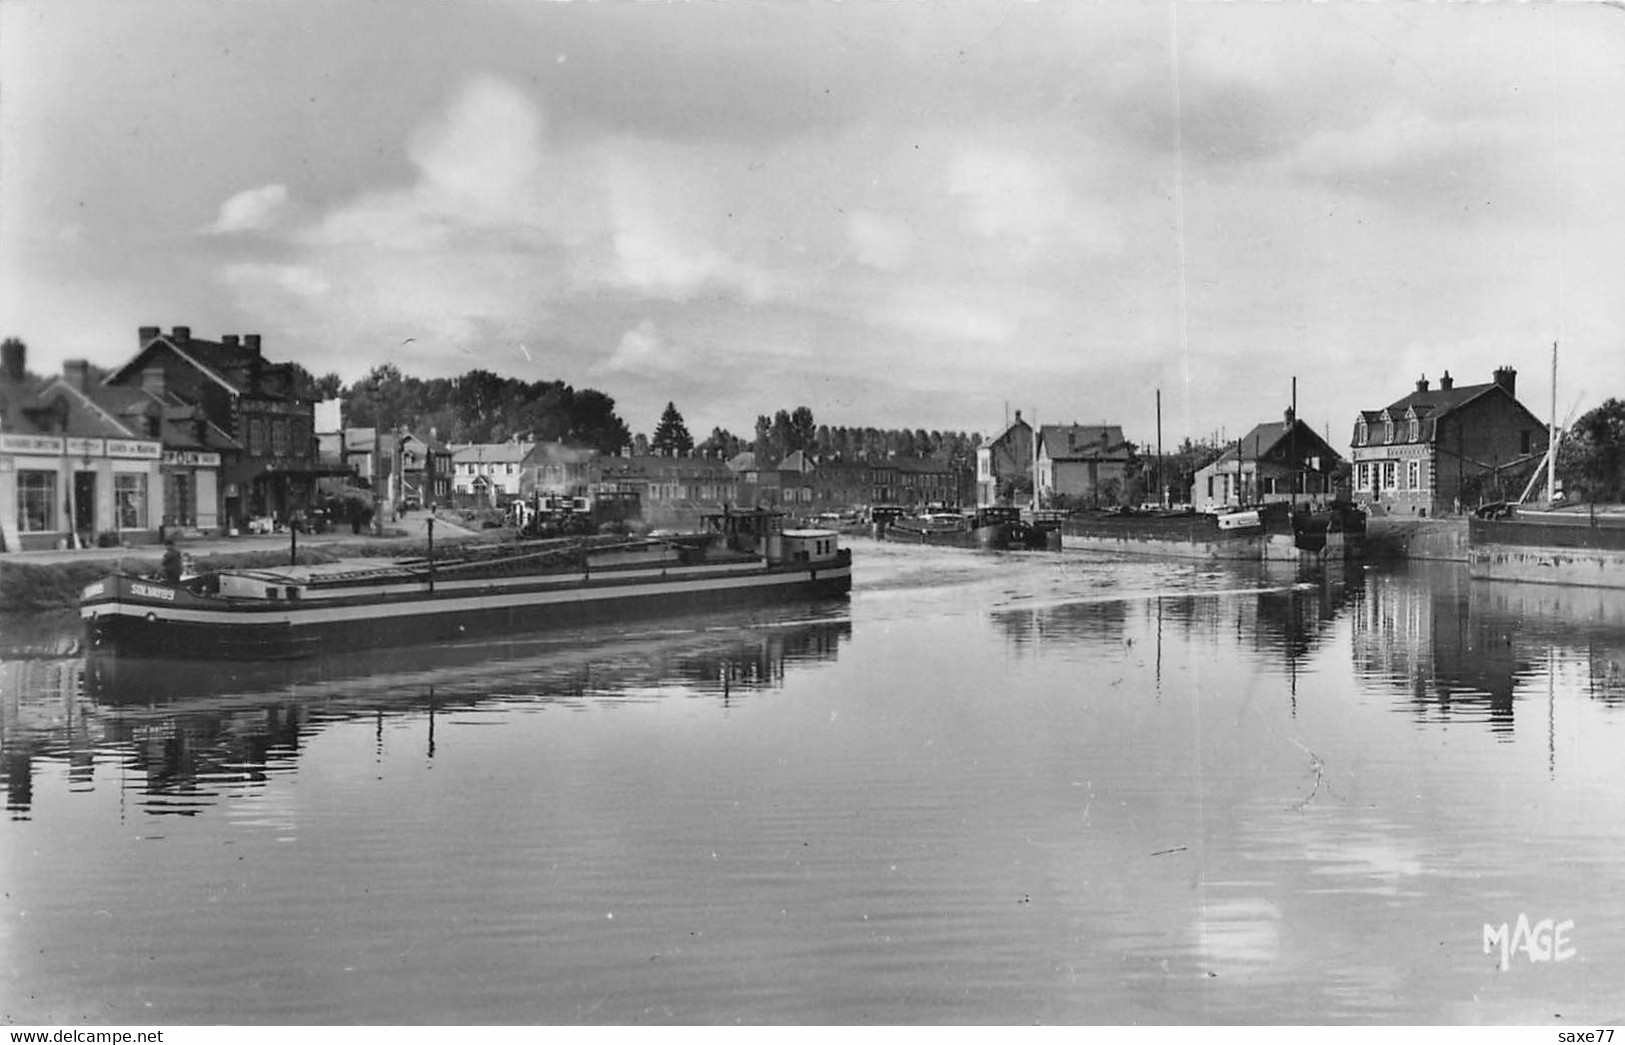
(1408, 537)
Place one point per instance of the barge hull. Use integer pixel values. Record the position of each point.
(128, 628)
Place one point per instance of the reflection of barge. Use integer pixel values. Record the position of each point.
(1273, 531)
(1583, 548)
(993, 527)
(740, 558)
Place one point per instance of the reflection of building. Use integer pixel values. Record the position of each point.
(1416, 632)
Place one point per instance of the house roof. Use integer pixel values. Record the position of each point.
(490, 453)
(1082, 442)
(1263, 438)
(996, 437)
(654, 466)
(1430, 407)
(21, 409)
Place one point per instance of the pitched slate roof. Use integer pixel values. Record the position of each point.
(1082, 442)
(1265, 437)
(1430, 407)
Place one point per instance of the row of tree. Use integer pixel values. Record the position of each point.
(482, 407)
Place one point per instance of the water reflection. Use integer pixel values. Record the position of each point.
(181, 734)
(1459, 648)
(1280, 614)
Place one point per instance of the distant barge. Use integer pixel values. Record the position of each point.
(1274, 531)
(294, 611)
(996, 528)
(1581, 548)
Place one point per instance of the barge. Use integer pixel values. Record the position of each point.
(1276, 531)
(997, 528)
(1578, 547)
(738, 558)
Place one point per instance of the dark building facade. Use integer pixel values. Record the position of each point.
(273, 467)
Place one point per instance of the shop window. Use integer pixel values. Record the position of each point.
(130, 500)
(279, 437)
(36, 501)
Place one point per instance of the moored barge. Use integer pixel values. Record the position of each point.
(1276, 531)
(1578, 547)
(739, 558)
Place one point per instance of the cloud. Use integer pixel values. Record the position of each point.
(641, 350)
(252, 210)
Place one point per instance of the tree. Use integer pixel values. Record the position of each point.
(671, 436)
(1591, 462)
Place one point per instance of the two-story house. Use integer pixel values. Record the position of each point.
(1082, 464)
(1004, 464)
(1446, 449)
(488, 474)
(274, 468)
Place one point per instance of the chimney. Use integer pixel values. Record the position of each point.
(1422, 384)
(147, 334)
(1446, 383)
(181, 335)
(1507, 378)
(1290, 416)
(152, 380)
(229, 340)
(252, 343)
(77, 374)
(13, 359)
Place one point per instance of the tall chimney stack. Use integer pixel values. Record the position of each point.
(181, 334)
(1446, 383)
(13, 359)
(1507, 378)
(148, 334)
(1422, 383)
(77, 373)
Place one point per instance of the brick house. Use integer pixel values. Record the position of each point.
(1446, 449)
(272, 468)
(1087, 464)
(1004, 464)
(1283, 460)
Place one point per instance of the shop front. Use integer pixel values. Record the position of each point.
(58, 491)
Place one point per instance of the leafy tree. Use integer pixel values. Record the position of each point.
(721, 443)
(1591, 461)
(671, 435)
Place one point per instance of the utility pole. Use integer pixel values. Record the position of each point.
(1162, 482)
(1551, 438)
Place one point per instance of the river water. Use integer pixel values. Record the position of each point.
(990, 788)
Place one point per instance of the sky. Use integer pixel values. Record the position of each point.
(920, 215)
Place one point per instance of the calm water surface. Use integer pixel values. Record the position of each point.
(991, 788)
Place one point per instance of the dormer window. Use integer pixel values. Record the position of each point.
(1415, 432)
(1362, 433)
(1388, 430)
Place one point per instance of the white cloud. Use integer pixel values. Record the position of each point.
(252, 210)
(878, 241)
(642, 350)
